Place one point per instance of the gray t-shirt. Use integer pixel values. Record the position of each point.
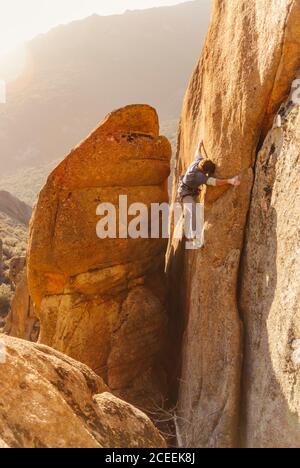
(192, 179)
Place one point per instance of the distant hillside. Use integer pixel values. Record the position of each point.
(14, 208)
(79, 72)
(27, 183)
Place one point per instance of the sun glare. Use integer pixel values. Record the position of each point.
(21, 21)
(13, 63)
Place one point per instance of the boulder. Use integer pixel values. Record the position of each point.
(48, 400)
(102, 301)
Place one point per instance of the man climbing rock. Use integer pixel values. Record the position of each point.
(199, 173)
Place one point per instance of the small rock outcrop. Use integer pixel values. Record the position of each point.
(21, 321)
(102, 301)
(245, 72)
(48, 400)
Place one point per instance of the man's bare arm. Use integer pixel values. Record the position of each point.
(235, 181)
(204, 150)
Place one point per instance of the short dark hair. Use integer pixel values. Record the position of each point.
(207, 167)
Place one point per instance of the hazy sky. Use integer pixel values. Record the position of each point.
(21, 20)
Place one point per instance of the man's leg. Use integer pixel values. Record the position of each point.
(189, 208)
(193, 223)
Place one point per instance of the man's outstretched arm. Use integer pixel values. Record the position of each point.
(201, 146)
(235, 181)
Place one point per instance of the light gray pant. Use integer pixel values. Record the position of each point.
(190, 216)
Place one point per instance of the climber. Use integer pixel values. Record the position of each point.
(199, 173)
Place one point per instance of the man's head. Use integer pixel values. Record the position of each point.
(207, 167)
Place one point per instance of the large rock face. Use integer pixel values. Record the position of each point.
(102, 301)
(47, 400)
(270, 294)
(237, 86)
